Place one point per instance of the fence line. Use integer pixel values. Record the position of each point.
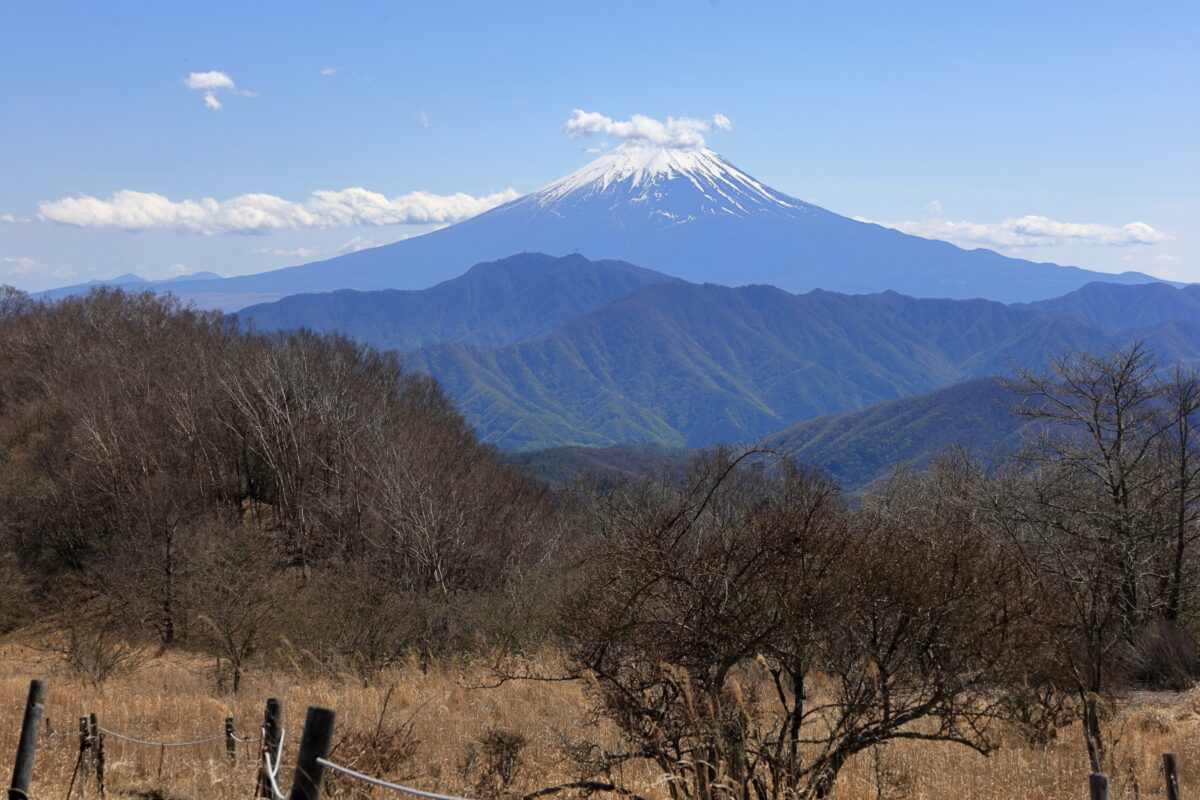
(311, 762)
(164, 744)
(91, 760)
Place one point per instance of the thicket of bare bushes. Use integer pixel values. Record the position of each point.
(753, 633)
(748, 629)
(232, 491)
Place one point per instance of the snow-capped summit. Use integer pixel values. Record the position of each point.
(668, 181)
(685, 212)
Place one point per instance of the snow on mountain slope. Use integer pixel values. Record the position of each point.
(665, 180)
(686, 212)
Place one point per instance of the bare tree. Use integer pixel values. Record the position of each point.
(1180, 454)
(236, 592)
(1100, 504)
(705, 615)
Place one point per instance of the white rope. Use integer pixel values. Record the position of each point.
(279, 746)
(272, 771)
(240, 740)
(395, 787)
(161, 744)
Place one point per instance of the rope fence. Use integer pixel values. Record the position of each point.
(51, 732)
(271, 773)
(90, 762)
(123, 737)
(312, 760)
(395, 787)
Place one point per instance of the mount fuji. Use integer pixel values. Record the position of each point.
(687, 213)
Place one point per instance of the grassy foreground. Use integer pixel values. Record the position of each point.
(431, 730)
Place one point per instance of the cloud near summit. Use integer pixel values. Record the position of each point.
(257, 213)
(681, 133)
(1030, 230)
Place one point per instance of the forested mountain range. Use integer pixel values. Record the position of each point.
(1120, 307)
(854, 448)
(545, 352)
(693, 365)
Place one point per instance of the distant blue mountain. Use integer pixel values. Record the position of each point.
(128, 282)
(515, 298)
(1120, 307)
(687, 365)
(686, 213)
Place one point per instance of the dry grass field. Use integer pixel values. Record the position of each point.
(428, 729)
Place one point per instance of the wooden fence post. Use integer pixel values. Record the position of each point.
(1171, 773)
(97, 751)
(314, 744)
(35, 704)
(85, 743)
(1098, 786)
(272, 730)
(230, 742)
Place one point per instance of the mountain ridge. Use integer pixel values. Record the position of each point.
(689, 365)
(854, 448)
(493, 303)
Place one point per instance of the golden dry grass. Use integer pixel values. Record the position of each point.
(172, 699)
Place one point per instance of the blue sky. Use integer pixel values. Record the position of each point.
(949, 119)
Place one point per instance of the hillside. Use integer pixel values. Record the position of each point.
(515, 298)
(1114, 306)
(854, 448)
(860, 446)
(567, 466)
(686, 365)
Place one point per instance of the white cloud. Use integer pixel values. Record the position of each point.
(351, 246)
(356, 244)
(683, 133)
(178, 269)
(933, 207)
(11, 218)
(1029, 231)
(209, 80)
(299, 252)
(421, 117)
(256, 213)
(212, 82)
(21, 266)
(329, 71)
